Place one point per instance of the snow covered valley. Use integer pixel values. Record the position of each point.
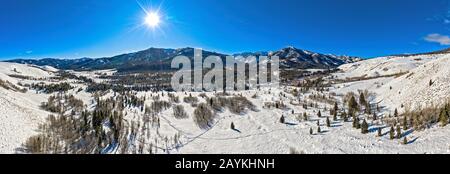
(92, 116)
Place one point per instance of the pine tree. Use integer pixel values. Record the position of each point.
(336, 108)
(311, 131)
(362, 99)
(282, 119)
(305, 116)
(443, 117)
(364, 127)
(391, 133)
(405, 141)
(292, 112)
(375, 116)
(399, 132)
(232, 126)
(352, 105)
(395, 112)
(380, 132)
(405, 123)
(318, 130)
(431, 83)
(318, 123)
(328, 122)
(319, 114)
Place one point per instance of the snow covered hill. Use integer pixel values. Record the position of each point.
(412, 81)
(20, 114)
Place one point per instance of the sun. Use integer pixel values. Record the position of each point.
(152, 19)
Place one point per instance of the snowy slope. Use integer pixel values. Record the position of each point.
(386, 65)
(414, 89)
(19, 112)
(410, 89)
(261, 133)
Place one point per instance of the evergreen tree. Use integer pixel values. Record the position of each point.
(431, 83)
(364, 127)
(318, 130)
(443, 117)
(282, 119)
(318, 123)
(405, 141)
(232, 126)
(375, 116)
(305, 116)
(380, 132)
(395, 112)
(319, 114)
(399, 132)
(311, 131)
(328, 122)
(352, 105)
(336, 108)
(391, 133)
(405, 123)
(362, 99)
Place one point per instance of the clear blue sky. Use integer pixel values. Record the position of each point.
(96, 28)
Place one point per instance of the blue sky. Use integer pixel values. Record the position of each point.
(97, 28)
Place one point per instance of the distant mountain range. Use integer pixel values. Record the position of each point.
(160, 59)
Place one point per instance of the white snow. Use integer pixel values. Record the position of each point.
(260, 131)
(19, 112)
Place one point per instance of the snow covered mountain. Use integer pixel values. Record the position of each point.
(159, 58)
(296, 58)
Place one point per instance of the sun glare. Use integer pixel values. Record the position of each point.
(152, 19)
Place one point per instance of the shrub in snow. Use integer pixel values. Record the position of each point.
(179, 112)
(203, 116)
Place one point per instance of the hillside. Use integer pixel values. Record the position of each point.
(20, 114)
(404, 80)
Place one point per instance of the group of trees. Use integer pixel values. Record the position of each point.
(79, 132)
(51, 88)
(61, 103)
(9, 86)
(235, 104)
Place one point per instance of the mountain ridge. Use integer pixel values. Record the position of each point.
(160, 58)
